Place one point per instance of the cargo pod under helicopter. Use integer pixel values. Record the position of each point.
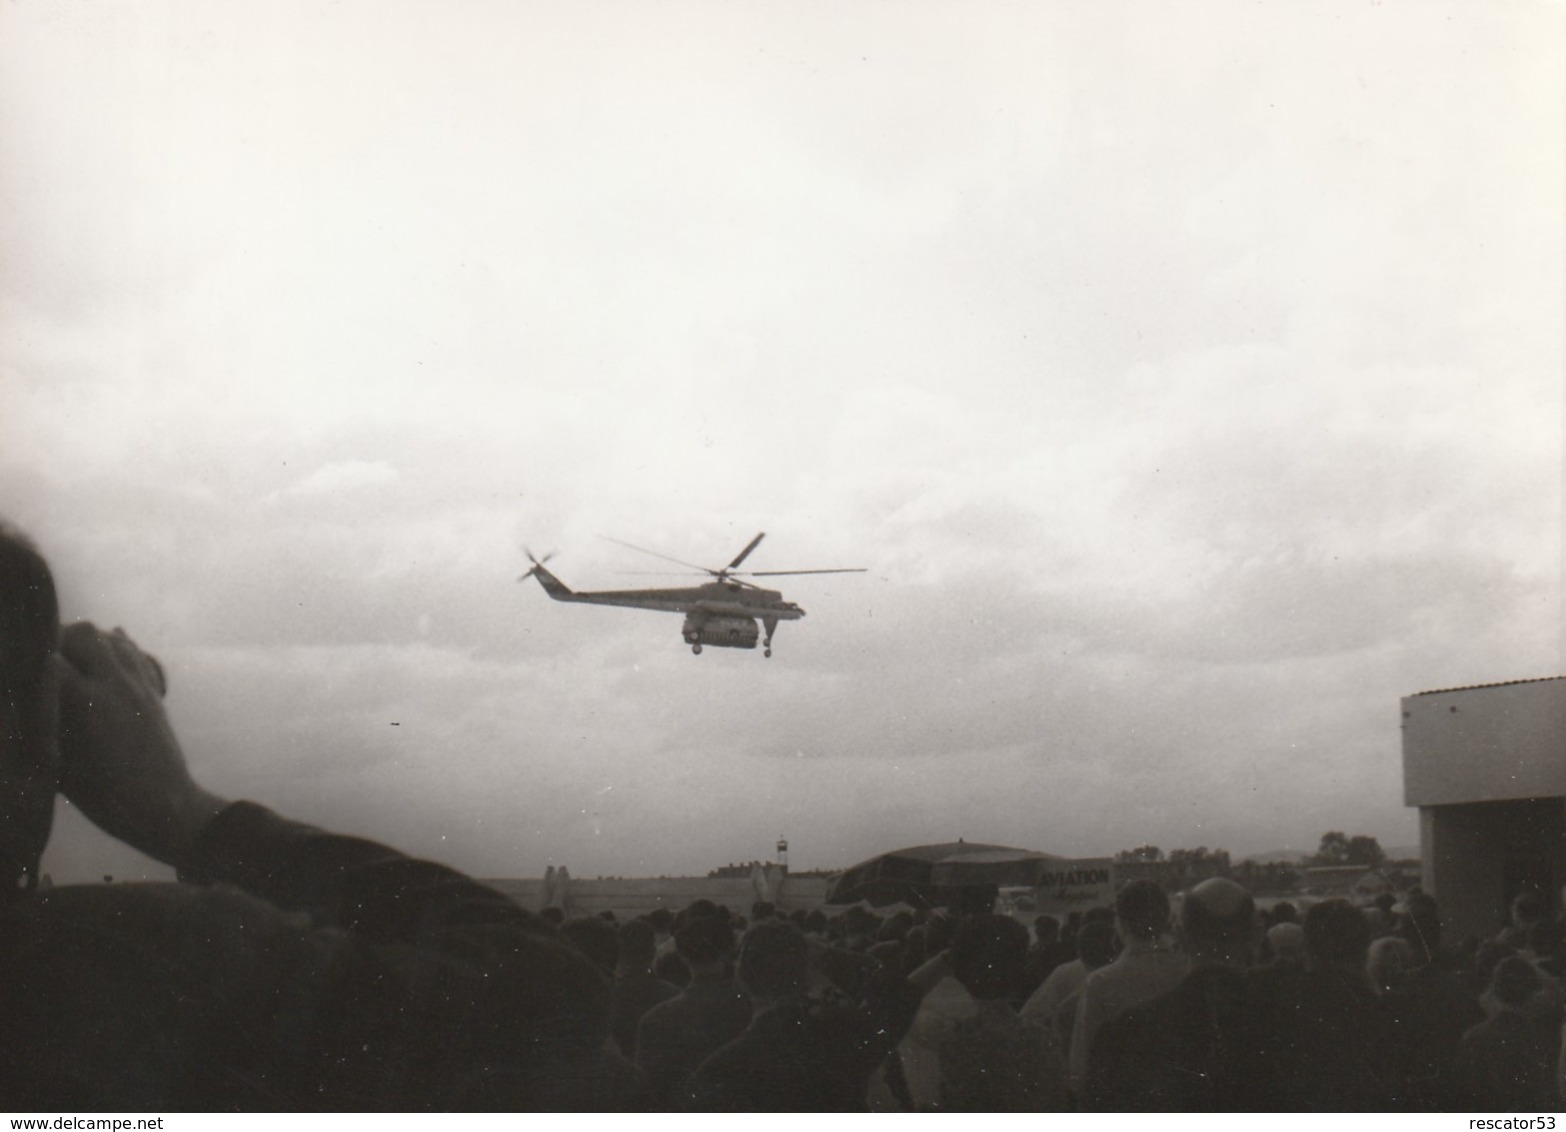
(723, 613)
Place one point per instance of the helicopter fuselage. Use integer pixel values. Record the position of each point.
(722, 614)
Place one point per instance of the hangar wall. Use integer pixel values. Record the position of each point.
(1487, 768)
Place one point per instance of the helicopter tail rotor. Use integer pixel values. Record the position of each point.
(538, 563)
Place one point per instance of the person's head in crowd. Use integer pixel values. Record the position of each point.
(700, 907)
(1046, 931)
(1543, 940)
(1466, 952)
(673, 970)
(774, 961)
(608, 914)
(1513, 985)
(890, 961)
(1286, 942)
(1488, 955)
(762, 910)
(553, 916)
(977, 900)
(662, 920)
(1283, 912)
(1378, 922)
(813, 921)
(1385, 901)
(1389, 962)
(1096, 945)
(1217, 919)
(595, 938)
(706, 943)
(938, 933)
(1141, 911)
(1337, 937)
(29, 757)
(1528, 908)
(638, 948)
(1419, 922)
(987, 956)
(894, 928)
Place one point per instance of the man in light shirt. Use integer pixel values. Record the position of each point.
(1149, 965)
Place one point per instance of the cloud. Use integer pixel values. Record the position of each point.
(1190, 398)
(351, 475)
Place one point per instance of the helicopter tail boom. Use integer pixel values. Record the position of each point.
(553, 586)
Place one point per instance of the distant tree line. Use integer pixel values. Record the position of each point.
(1339, 849)
(1181, 868)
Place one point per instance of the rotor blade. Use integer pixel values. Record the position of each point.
(655, 554)
(655, 573)
(779, 573)
(536, 561)
(748, 548)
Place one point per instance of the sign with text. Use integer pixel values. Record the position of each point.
(1075, 886)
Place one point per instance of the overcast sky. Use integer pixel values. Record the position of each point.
(1188, 377)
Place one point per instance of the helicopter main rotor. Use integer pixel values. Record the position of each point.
(731, 572)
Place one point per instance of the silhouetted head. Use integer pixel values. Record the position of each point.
(1377, 921)
(1337, 936)
(894, 928)
(29, 756)
(1528, 908)
(704, 941)
(1420, 924)
(1488, 955)
(987, 955)
(672, 969)
(774, 960)
(1515, 981)
(1096, 943)
(1287, 941)
(638, 945)
(1142, 910)
(1390, 960)
(1046, 930)
(595, 938)
(938, 933)
(1217, 918)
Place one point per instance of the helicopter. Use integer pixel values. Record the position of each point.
(722, 613)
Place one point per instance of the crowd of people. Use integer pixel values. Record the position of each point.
(1224, 1006)
(296, 969)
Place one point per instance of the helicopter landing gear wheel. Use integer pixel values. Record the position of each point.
(696, 649)
(767, 651)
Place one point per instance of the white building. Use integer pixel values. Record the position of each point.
(1487, 768)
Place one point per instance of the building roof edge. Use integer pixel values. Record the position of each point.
(1497, 684)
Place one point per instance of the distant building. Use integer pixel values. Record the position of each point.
(1486, 766)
